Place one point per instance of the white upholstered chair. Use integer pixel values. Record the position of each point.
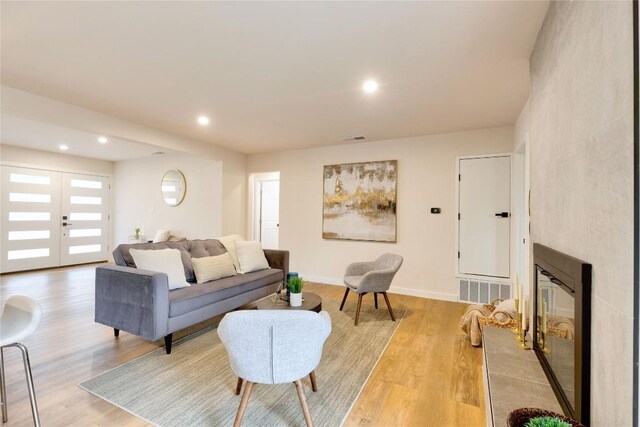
(20, 318)
(371, 277)
(274, 347)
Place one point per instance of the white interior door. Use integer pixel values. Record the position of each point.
(30, 219)
(484, 221)
(84, 225)
(269, 213)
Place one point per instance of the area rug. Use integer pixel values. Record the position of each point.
(194, 385)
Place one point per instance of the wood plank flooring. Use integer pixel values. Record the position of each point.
(429, 375)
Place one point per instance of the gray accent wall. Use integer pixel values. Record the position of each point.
(581, 147)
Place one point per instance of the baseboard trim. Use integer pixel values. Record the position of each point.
(394, 289)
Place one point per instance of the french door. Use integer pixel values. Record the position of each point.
(52, 219)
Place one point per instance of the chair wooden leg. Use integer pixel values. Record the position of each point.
(346, 292)
(303, 403)
(386, 298)
(243, 404)
(312, 377)
(375, 299)
(358, 309)
(238, 386)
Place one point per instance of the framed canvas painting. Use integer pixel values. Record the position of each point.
(359, 201)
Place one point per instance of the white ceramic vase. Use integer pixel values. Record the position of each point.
(295, 300)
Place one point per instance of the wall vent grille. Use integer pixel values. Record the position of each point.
(482, 291)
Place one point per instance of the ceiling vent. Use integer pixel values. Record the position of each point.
(354, 138)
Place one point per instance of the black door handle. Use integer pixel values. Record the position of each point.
(503, 214)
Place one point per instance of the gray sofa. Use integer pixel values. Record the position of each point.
(140, 302)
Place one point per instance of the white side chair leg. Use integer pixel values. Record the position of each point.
(3, 390)
(32, 392)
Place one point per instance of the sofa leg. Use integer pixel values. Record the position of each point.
(167, 343)
(116, 332)
(375, 298)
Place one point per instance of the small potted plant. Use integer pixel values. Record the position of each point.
(534, 417)
(295, 291)
(137, 230)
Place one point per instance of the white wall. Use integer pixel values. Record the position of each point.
(138, 202)
(19, 156)
(581, 145)
(25, 104)
(426, 178)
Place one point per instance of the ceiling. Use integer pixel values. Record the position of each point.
(278, 75)
(47, 137)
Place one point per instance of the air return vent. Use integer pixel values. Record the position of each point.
(354, 138)
(482, 292)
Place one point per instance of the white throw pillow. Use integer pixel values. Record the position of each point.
(251, 256)
(161, 236)
(166, 261)
(213, 267)
(229, 243)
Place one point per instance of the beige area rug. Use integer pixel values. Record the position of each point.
(194, 385)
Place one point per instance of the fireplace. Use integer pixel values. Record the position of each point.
(562, 327)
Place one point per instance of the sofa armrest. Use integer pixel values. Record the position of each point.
(134, 300)
(278, 259)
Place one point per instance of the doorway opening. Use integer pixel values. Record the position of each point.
(266, 209)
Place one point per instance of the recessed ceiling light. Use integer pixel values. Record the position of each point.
(103, 140)
(203, 120)
(370, 86)
(63, 147)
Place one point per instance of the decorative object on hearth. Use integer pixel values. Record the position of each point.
(359, 201)
(517, 303)
(295, 286)
(499, 313)
(521, 417)
(523, 326)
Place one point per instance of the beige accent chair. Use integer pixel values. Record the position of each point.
(371, 277)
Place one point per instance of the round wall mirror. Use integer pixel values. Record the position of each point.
(174, 187)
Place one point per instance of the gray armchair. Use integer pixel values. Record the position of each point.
(274, 347)
(371, 277)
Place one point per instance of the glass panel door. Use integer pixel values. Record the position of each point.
(84, 225)
(30, 212)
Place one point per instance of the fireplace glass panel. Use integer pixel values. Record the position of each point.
(555, 307)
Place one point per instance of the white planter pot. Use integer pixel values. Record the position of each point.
(295, 300)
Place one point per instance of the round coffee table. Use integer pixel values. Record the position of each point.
(311, 302)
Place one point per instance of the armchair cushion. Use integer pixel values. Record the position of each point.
(353, 281)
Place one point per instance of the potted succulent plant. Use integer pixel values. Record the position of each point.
(137, 230)
(535, 417)
(295, 290)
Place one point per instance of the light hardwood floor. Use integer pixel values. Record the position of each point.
(429, 375)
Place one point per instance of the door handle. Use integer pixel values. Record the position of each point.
(64, 224)
(503, 214)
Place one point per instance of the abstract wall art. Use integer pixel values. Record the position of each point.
(360, 201)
